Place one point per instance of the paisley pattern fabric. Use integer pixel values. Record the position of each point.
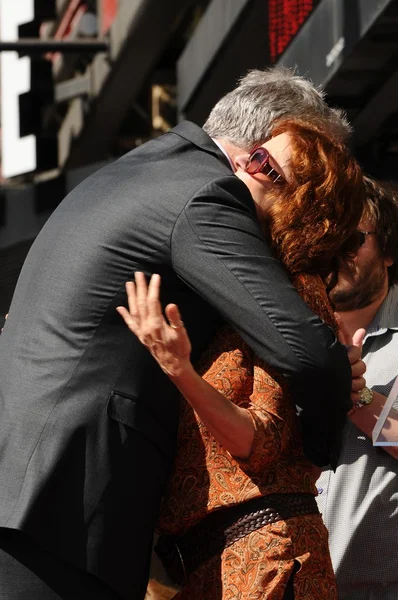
(205, 477)
(260, 565)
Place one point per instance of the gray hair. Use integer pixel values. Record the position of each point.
(246, 115)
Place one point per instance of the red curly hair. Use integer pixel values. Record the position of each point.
(312, 218)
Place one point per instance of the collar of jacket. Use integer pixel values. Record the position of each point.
(195, 135)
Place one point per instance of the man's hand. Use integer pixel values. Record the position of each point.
(358, 368)
(354, 351)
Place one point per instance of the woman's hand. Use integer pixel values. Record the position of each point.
(168, 342)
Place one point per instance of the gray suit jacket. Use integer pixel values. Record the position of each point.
(88, 421)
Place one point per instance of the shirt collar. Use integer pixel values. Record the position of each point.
(387, 315)
(224, 152)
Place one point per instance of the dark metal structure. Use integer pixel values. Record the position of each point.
(141, 37)
(39, 46)
(351, 50)
(349, 47)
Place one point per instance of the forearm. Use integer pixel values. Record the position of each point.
(169, 344)
(230, 425)
(365, 419)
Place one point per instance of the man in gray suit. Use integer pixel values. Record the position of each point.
(88, 421)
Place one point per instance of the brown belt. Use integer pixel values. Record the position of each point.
(182, 555)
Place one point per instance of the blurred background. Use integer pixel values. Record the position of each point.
(84, 81)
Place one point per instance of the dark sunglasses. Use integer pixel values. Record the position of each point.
(258, 162)
(361, 236)
(355, 241)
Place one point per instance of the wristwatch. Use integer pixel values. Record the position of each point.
(365, 398)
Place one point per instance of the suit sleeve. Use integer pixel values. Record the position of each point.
(219, 251)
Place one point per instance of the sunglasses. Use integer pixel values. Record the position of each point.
(361, 236)
(258, 162)
(356, 241)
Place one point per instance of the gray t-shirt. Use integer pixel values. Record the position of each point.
(359, 502)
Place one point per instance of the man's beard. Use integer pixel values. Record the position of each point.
(362, 288)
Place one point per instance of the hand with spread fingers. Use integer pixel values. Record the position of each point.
(167, 340)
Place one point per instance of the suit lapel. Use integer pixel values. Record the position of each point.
(195, 135)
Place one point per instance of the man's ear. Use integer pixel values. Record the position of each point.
(388, 261)
(240, 161)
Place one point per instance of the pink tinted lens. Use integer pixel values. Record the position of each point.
(257, 160)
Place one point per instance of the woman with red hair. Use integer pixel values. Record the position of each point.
(239, 518)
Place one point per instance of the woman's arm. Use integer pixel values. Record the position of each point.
(231, 425)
